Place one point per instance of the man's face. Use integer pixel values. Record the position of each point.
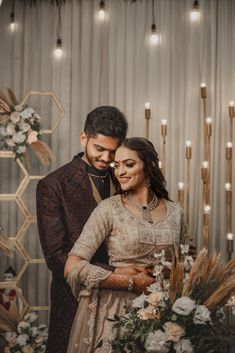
(99, 150)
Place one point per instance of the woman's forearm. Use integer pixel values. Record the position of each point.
(115, 281)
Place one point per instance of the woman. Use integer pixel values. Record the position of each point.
(135, 224)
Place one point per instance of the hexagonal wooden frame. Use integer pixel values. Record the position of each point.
(28, 218)
(59, 106)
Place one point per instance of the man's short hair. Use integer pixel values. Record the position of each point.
(108, 121)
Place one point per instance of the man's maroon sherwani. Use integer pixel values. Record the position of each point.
(64, 203)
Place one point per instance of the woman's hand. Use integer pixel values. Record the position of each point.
(142, 281)
(131, 270)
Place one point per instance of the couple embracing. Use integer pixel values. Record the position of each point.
(100, 248)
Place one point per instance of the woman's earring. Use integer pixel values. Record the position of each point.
(147, 183)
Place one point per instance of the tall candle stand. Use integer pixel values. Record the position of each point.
(205, 171)
(164, 134)
(147, 118)
(188, 156)
(228, 184)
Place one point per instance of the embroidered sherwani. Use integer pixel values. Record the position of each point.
(65, 200)
(130, 240)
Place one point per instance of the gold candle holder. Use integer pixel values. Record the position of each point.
(231, 109)
(228, 150)
(181, 193)
(188, 150)
(229, 245)
(203, 90)
(164, 128)
(208, 126)
(204, 171)
(147, 117)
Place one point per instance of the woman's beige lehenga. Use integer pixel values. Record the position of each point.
(129, 240)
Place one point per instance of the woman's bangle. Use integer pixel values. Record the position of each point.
(131, 283)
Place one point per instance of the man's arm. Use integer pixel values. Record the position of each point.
(51, 227)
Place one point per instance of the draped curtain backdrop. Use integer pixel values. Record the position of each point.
(112, 63)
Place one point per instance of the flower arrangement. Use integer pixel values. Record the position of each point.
(20, 130)
(27, 338)
(184, 314)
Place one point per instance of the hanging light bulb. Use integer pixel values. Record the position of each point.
(58, 49)
(101, 12)
(12, 25)
(1, 2)
(195, 13)
(154, 39)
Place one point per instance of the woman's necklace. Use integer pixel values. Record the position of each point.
(144, 209)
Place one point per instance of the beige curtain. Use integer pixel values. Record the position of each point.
(111, 62)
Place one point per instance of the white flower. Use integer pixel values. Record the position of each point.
(21, 149)
(13, 341)
(19, 137)
(158, 270)
(42, 327)
(15, 117)
(184, 248)
(27, 113)
(173, 331)
(22, 326)
(184, 346)
(10, 142)
(154, 298)
(156, 342)
(31, 317)
(22, 339)
(201, 315)
(18, 108)
(27, 349)
(9, 335)
(167, 264)
(32, 137)
(183, 306)
(148, 313)
(188, 262)
(3, 131)
(139, 301)
(25, 127)
(10, 129)
(34, 331)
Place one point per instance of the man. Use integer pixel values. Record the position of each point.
(65, 200)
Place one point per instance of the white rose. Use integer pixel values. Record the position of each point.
(148, 314)
(18, 108)
(173, 331)
(201, 315)
(13, 341)
(139, 301)
(184, 346)
(156, 342)
(25, 127)
(31, 317)
(9, 335)
(10, 142)
(15, 117)
(32, 137)
(22, 339)
(3, 131)
(34, 331)
(10, 129)
(19, 137)
(22, 326)
(154, 298)
(27, 113)
(183, 306)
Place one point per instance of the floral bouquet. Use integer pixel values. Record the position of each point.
(184, 314)
(28, 338)
(20, 129)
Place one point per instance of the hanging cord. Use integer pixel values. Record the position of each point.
(58, 26)
(153, 12)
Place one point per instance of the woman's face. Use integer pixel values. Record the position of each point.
(129, 169)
